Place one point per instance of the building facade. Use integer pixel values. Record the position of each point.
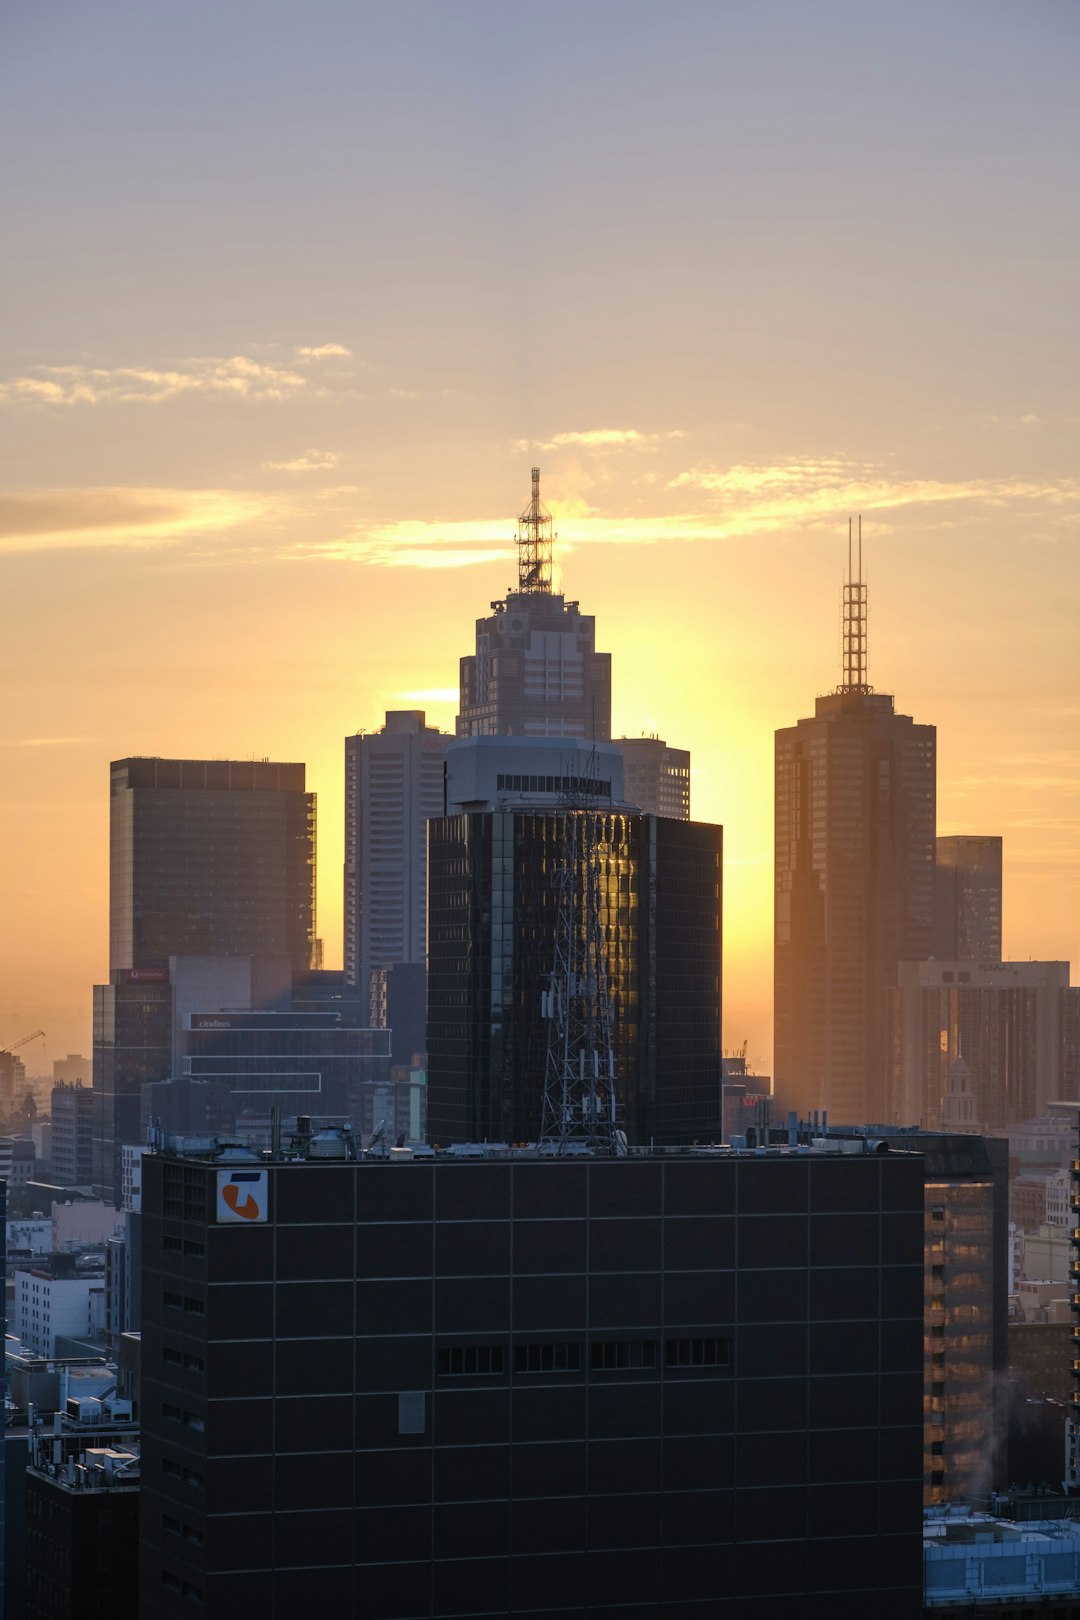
(656, 778)
(1004, 1019)
(491, 954)
(210, 858)
(653, 1386)
(854, 877)
(72, 1137)
(393, 784)
(967, 899)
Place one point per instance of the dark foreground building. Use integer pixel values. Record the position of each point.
(492, 918)
(668, 1385)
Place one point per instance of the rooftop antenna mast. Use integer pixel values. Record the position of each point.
(854, 628)
(535, 537)
(580, 1095)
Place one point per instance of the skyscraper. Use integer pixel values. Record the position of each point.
(393, 784)
(967, 899)
(656, 777)
(493, 943)
(854, 883)
(210, 858)
(535, 671)
(206, 858)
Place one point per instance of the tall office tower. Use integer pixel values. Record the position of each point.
(656, 777)
(854, 881)
(210, 858)
(967, 899)
(1007, 1021)
(536, 671)
(494, 873)
(393, 784)
(666, 1385)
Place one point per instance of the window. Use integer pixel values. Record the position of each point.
(193, 1477)
(170, 1244)
(194, 1364)
(621, 1355)
(168, 1410)
(170, 1469)
(541, 1358)
(175, 1302)
(699, 1352)
(191, 1246)
(171, 1357)
(471, 1361)
(170, 1524)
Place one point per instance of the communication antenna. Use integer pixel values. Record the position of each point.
(580, 1093)
(535, 537)
(854, 625)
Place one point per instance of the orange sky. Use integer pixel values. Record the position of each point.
(287, 347)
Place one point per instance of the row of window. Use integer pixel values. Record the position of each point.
(175, 1245)
(176, 1414)
(189, 1476)
(173, 1583)
(178, 1527)
(176, 1358)
(183, 1302)
(609, 1355)
(592, 787)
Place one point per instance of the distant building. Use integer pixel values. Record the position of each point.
(854, 878)
(48, 1307)
(656, 777)
(393, 784)
(1004, 1019)
(70, 1070)
(210, 858)
(72, 1143)
(967, 899)
(535, 671)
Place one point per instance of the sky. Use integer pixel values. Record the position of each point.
(296, 293)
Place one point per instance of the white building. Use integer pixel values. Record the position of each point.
(507, 773)
(33, 1235)
(47, 1308)
(85, 1224)
(393, 784)
(657, 777)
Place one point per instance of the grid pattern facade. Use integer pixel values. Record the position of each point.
(656, 777)
(393, 783)
(635, 1388)
(492, 917)
(536, 673)
(854, 876)
(210, 858)
(132, 1045)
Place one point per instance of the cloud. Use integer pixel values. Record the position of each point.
(39, 520)
(40, 742)
(431, 694)
(310, 461)
(770, 498)
(599, 439)
(324, 351)
(236, 376)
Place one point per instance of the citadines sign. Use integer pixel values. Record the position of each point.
(243, 1195)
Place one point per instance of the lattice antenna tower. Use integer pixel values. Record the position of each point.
(580, 1092)
(535, 539)
(854, 622)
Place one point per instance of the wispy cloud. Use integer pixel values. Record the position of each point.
(310, 461)
(599, 439)
(324, 351)
(40, 742)
(431, 694)
(37, 520)
(235, 376)
(781, 497)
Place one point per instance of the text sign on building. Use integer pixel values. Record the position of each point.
(242, 1195)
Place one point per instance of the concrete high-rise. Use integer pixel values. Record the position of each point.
(656, 777)
(393, 784)
(967, 899)
(854, 884)
(535, 671)
(210, 858)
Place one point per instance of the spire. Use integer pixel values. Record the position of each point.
(534, 542)
(854, 627)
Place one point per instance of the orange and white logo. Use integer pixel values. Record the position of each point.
(242, 1195)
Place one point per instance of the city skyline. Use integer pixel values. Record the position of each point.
(762, 270)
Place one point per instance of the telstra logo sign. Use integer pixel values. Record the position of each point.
(242, 1196)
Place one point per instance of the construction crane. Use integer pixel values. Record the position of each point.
(38, 1035)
